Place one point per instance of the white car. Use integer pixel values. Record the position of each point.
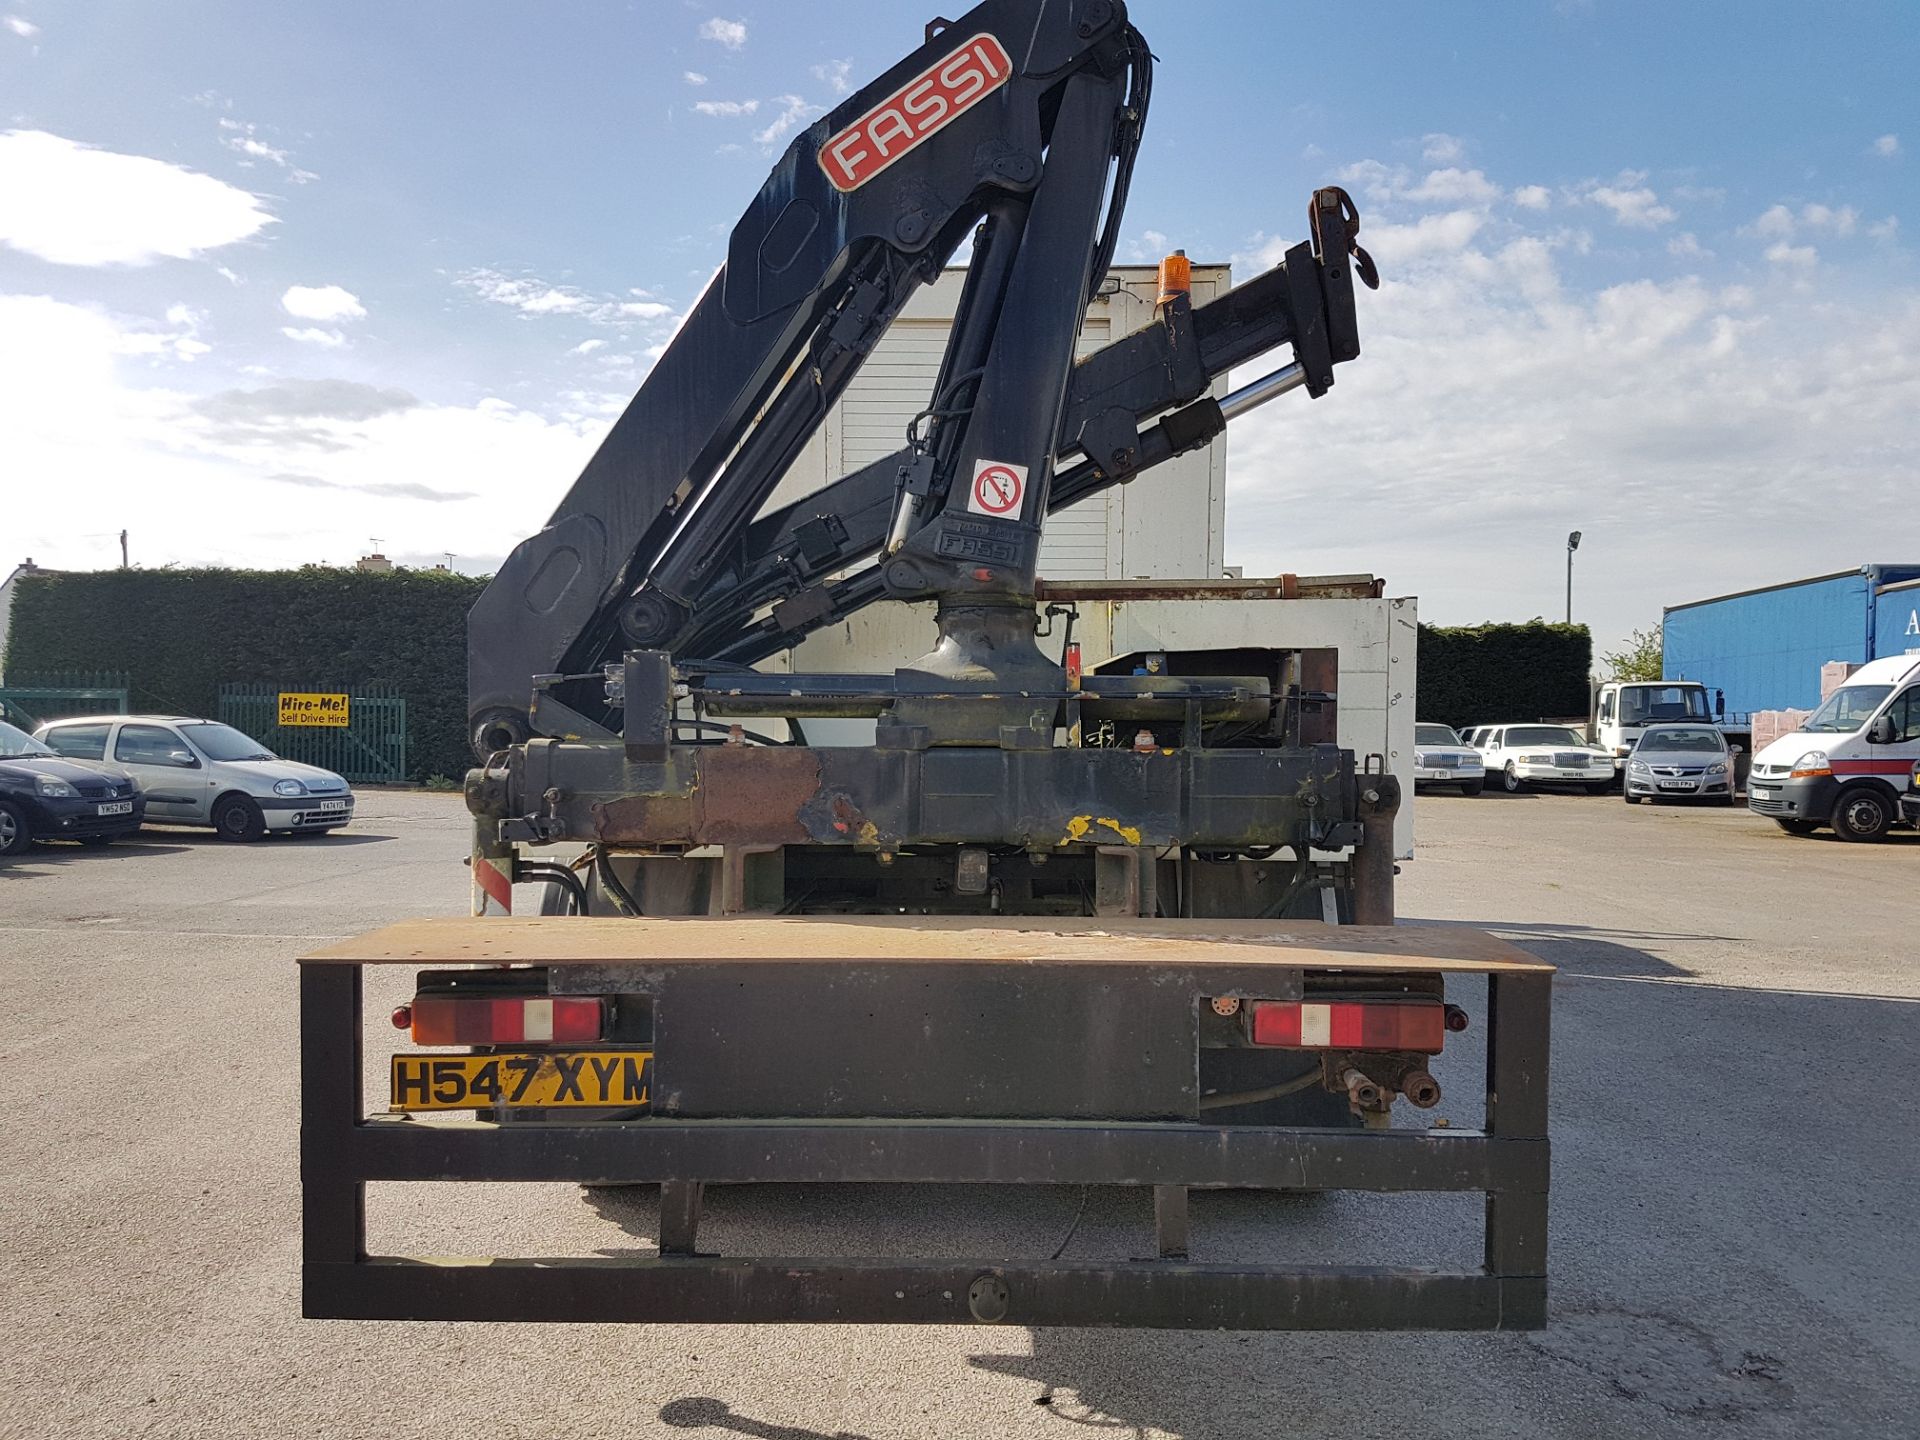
(200, 772)
(1523, 755)
(1440, 757)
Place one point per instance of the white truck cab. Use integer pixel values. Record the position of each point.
(1622, 709)
(1848, 765)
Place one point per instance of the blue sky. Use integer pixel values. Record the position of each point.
(276, 280)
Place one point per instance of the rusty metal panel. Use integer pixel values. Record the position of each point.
(749, 795)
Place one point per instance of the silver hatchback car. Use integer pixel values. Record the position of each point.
(1679, 762)
(200, 772)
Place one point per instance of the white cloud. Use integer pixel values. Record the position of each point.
(529, 296)
(730, 33)
(1442, 149)
(534, 298)
(1631, 203)
(1887, 146)
(1822, 217)
(24, 28)
(1780, 224)
(587, 347)
(1687, 247)
(834, 74)
(790, 111)
(1455, 187)
(1383, 184)
(793, 112)
(178, 338)
(693, 77)
(159, 460)
(1504, 399)
(73, 204)
(322, 302)
(1802, 257)
(1886, 229)
(312, 335)
(1533, 197)
(1376, 181)
(244, 139)
(1441, 234)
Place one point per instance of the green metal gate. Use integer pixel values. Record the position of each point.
(370, 749)
(31, 701)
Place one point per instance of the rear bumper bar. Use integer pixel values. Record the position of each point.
(342, 1149)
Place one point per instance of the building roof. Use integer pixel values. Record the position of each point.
(1863, 570)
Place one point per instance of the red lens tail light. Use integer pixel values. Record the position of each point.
(1350, 1025)
(523, 1020)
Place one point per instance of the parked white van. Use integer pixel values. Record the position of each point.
(1848, 764)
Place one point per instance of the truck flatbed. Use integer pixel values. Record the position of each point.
(911, 940)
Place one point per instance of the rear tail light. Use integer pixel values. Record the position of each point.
(1350, 1025)
(545, 1020)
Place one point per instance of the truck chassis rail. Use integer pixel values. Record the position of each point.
(342, 1149)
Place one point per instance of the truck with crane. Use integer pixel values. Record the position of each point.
(1114, 912)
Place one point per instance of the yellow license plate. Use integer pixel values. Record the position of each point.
(594, 1079)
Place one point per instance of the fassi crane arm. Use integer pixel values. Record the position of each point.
(982, 123)
(1017, 120)
(1130, 406)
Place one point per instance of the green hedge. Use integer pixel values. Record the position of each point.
(1482, 674)
(181, 634)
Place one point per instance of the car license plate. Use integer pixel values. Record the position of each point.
(115, 807)
(333, 805)
(1677, 785)
(1757, 792)
(560, 1079)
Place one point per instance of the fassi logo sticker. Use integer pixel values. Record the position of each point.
(929, 102)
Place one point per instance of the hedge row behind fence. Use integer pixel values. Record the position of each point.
(1483, 674)
(181, 634)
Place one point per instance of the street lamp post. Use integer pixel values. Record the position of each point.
(1573, 544)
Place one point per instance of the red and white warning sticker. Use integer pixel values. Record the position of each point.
(999, 489)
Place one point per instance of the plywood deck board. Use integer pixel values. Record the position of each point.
(594, 940)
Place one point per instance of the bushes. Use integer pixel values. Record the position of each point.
(180, 634)
(1482, 674)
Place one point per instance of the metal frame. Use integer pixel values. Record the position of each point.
(372, 749)
(342, 1149)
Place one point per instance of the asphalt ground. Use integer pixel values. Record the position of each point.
(1735, 1246)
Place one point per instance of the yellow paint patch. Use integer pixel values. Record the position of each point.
(1079, 826)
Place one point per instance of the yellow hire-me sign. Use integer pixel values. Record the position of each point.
(303, 709)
